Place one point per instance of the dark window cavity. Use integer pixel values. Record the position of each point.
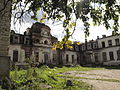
(36, 56)
(110, 42)
(118, 54)
(67, 58)
(72, 58)
(104, 55)
(103, 44)
(15, 56)
(111, 55)
(117, 41)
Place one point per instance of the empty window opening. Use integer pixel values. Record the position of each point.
(103, 44)
(110, 42)
(104, 56)
(15, 56)
(117, 41)
(111, 55)
(67, 58)
(45, 42)
(72, 58)
(118, 54)
(36, 56)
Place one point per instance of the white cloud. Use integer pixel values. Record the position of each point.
(58, 31)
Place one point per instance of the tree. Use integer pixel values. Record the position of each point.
(100, 11)
(5, 8)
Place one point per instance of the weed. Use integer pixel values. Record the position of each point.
(45, 78)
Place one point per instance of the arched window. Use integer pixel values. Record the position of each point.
(46, 58)
(45, 42)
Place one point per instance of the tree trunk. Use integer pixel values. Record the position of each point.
(5, 19)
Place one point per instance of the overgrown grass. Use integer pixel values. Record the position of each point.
(45, 78)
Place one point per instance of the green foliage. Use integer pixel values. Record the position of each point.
(44, 78)
(100, 11)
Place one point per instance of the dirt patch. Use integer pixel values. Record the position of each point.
(99, 79)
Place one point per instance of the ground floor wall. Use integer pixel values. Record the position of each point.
(70, 57)
(110, 56)
(103, 56)
(16, 53)
(42, 55)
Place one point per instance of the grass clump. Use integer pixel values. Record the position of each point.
(45, 78)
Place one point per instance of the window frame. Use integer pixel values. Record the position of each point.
(117, 43)
(109, 42)
(111, 55)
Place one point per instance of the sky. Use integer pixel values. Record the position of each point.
(58, 31)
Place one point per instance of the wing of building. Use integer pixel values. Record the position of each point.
(35, 46)
(102, 51)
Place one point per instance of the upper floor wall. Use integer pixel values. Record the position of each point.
(38, 34)
(89, 45)
(109, 41)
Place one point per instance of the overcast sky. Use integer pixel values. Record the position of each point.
(58, 31)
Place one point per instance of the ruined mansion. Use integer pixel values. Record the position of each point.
(35, 45)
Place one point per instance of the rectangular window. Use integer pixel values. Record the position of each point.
(36, 56)
(89, 46)
(76, 47)
(67, 58)
(77, 58)
(54, 57)
(27, 54)
(72, 58)
(94, 45)
(15, 56)
(118, 54)
(103, 44)
(27, 41)
(117, 41)
(96, 57)
(111, 55)
(104, 56)
(83, 47)
(110, 42)
(16, 37)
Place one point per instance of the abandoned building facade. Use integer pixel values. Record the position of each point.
(35, 45)
(102, 51)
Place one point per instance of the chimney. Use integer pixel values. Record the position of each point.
(103, 36)
(25, 33)
(97, 37)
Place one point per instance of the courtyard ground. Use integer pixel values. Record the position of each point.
(106, 79)
(83, 78)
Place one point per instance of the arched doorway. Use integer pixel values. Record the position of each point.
(15, 56)
(46, 58)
